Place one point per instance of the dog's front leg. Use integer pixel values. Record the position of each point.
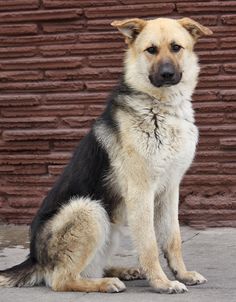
(140, 214)
(167, 226)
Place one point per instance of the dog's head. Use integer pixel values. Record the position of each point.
(160, 52)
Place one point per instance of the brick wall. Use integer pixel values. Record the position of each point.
(59, 59)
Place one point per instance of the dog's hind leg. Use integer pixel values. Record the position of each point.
(77, 240)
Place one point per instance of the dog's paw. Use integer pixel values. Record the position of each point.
(169, 287)
(132, 274)
(192, 278)
(112, 285)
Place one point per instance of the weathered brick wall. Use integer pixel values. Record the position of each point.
(59, 59)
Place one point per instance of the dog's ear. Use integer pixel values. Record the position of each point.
(130, 28)
(195, 29)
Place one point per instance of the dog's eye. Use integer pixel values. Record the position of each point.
(175, 47)
(152, 50)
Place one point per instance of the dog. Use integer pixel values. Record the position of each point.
(127, 169)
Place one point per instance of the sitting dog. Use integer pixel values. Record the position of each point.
(126, 169)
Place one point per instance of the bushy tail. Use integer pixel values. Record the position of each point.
(23, 274)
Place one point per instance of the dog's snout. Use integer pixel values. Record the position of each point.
(165, 74)
(167, 71)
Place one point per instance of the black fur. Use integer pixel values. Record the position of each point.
(84, 175)
(20, 274)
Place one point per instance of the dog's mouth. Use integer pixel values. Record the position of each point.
(159, 81)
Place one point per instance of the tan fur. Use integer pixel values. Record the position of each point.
(104, 285)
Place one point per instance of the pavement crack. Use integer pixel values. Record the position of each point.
(188, 239)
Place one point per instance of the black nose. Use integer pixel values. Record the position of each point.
(167, 71)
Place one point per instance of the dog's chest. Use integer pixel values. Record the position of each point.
(166, 142)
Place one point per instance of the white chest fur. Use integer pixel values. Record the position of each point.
(163, 135)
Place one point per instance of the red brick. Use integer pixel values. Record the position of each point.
(18, 29)
(205, 95)
(217, 130)
(85, 73)
(204, 168)
(217, 56)
(221, 81)
(38, 40)
(101, 37)
(28, 122)
(106, 61)
(207, 20)
(56, 50)
(230, 117)
(23, 190)
(223, 31)
(76, 3)
(51, 158)
(229, 168)
(230, 68)
(14, 76)
(9, 100)
(98, 86)
(100, 24)
(210, 69)
(67, 145)
(228, 43)
(82, 122)
(82, 49)
(40, 15)
(18, 5)
(127, 11)
(43, 134)
(228, 95)
(215, 202)
(24, 202)
(52, 110)
(219, 156)
(102, 48)
(41, 63)
(62, 27)
(203, 7)
(94, 110)
(74, 98)
(207, 44)
(55, 169)
(208, 143)
(12, 52)
(210, 118)
(228, 19)
(23, 169)
(228, 143)
(42, 86)
(214, 180)
(29, 180)
(10, 147)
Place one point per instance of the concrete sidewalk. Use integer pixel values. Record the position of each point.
(211, 252)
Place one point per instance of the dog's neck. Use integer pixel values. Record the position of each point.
(173, 101)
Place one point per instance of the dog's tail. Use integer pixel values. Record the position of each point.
(23, 274)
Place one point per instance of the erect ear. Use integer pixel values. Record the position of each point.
(130, 28)
(195, 29)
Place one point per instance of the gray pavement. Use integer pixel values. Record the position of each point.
(212, 252)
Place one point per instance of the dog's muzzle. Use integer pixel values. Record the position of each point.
(165, 75)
